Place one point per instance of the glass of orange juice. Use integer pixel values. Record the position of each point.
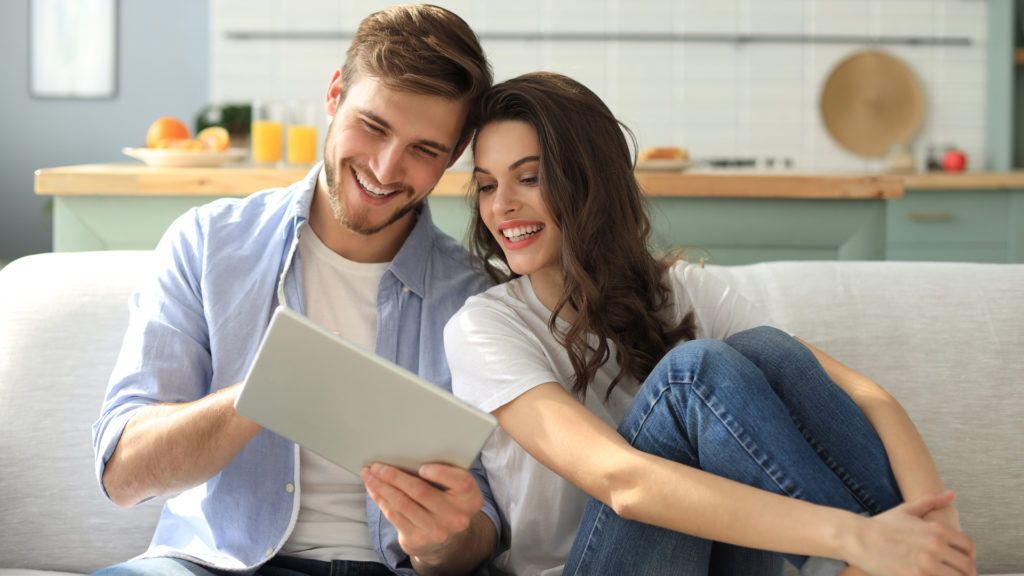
(302, 138)
(266, 136)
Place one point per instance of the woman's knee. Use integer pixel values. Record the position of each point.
(713, 362)
(769, 348)
(760, 338)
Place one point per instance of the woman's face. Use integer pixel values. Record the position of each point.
(507, 171)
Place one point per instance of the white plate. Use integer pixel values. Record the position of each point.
(663, 165)
(171, 157)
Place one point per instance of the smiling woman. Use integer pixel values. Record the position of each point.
(650, 401)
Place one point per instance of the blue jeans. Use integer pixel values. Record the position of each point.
(277, 566)
(759, 409)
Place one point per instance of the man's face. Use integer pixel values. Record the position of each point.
(385, 152)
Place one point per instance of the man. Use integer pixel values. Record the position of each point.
(352, 246)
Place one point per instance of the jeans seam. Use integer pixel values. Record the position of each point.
(590, 537)
(699, 391)
(845, 477)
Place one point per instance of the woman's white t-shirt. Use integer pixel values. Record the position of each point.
(499, 346)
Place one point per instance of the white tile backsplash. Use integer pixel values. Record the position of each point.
(714, 98)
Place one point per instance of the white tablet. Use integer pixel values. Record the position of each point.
(354, 407)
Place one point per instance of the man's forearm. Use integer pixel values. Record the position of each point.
(167, 448)
(464, 552)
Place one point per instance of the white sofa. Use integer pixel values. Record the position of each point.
(946, 339)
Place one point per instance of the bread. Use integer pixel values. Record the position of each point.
(665, 153)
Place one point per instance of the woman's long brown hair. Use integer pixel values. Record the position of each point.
(612, 281)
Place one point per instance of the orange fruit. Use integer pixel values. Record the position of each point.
(166, 128)
(214, 138)
(179, 144)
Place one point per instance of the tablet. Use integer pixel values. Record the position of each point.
(352, 406)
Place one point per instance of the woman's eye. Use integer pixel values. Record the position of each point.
(484, 187)
(529, 180)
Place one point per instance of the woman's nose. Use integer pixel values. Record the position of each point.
(505, 200)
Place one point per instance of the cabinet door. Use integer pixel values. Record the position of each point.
(115, 222)
(949, 225)
(743, 231)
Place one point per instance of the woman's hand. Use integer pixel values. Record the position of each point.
(902, 542)
(948, 516)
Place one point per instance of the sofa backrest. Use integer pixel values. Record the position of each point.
(62, 318)
(947, 340)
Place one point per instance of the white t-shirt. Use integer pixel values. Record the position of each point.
(499, 346)
(341, 296)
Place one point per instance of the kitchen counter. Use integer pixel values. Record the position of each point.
(141, 180)
(965, 180)
(734, 217)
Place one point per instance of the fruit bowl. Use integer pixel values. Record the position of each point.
(174, 157)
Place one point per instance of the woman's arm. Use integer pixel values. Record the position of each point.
(911, 462)
(567, 438)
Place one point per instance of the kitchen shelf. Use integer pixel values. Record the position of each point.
(633, 37)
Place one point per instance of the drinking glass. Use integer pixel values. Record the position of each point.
(267, 126)
(302, 137)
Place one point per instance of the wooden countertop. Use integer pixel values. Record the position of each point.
(965, 180)
(141, 180)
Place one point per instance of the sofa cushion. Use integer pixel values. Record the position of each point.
(62, 318)
(947, 339)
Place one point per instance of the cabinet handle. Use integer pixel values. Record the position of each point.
(930, 216)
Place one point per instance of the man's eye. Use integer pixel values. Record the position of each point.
(373, 128)
(427, 152)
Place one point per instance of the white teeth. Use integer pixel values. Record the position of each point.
(373, 190)
(521, 232)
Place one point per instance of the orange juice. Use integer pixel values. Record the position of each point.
(301, 144)
(266, 141)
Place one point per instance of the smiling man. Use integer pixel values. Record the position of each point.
(351, 246)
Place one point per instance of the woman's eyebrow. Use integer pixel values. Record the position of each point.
(522, 161)
(511, 166)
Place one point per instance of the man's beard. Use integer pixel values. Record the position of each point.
(356, 224)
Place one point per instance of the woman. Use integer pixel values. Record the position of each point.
(740, 435)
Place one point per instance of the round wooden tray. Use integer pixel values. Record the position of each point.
(871, 101)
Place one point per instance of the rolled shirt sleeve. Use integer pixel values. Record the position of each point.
(165, 355)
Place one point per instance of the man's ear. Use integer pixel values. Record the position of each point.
(460, 148)
(334, 93)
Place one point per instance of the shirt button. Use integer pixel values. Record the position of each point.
(406, 289)
(289, 487)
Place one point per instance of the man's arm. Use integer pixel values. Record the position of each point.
(443, 530)
(167, 448)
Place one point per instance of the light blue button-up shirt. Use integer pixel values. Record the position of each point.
(195, 326)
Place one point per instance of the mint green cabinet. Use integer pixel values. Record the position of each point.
(742, 230)
(956, 225)
(941, 225)
(115, 222)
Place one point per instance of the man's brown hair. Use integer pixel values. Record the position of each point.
(422, 49)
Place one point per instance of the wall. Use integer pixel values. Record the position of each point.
(162, 70)
(715, 98)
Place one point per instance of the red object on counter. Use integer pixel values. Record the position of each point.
(954, 161)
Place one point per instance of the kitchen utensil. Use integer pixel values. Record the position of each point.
(871, 101)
